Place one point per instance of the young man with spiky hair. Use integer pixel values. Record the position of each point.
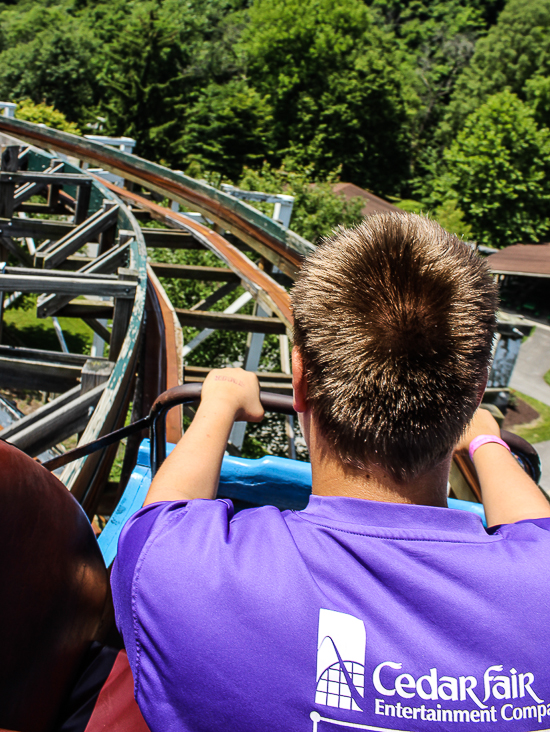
(377, 607)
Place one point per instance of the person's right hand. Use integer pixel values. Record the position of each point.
(237, 389)
(483, 423)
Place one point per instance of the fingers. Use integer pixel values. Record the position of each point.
(236, 388)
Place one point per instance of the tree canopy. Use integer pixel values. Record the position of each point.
(408, 98)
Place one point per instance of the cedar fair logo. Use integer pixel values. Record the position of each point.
(342, 683)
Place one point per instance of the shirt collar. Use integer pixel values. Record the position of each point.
(402, 516)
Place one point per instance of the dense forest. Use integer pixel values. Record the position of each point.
(442, 105)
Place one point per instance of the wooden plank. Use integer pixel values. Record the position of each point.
(188, 272)
(45, 178)
(24, 192)
(98, 328)
(87, 309)
(56, 426)
(82, 234)
(215, 297)
(222, 321)
(99, 267)
(19, 373)
(35, 354)
(73, 286)
(122, 314)
(46, 409)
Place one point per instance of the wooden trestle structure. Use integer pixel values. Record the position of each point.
(42, 160)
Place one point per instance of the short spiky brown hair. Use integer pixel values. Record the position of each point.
(394, 320)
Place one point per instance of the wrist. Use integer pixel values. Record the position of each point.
(481, 440)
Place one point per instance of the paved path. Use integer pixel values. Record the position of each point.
(533, 362)
(543, 449)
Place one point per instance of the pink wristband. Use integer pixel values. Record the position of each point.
(482, 440)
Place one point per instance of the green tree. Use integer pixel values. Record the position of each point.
(336, 87)
(498, 170)
(514, 52)
(317, 209)
(227, 128)
(47, 55)
(44, 114)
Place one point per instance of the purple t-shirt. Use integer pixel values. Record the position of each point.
(350, 614)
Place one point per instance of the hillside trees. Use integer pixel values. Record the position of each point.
(498, 170)
(514, 55)
(336, 84)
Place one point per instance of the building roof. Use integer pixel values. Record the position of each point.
(373, 204)
(530, 260)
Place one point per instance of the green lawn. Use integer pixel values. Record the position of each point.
(540, 429)
(547, 377)
(22, 328)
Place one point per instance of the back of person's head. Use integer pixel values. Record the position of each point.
(394, 320)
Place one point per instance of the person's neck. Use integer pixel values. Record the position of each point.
(332, 477)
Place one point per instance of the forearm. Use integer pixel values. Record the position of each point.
(508, 494)
(192, 470)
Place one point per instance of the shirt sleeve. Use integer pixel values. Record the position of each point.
(138, 535)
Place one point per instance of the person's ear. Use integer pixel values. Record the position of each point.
(299, 381)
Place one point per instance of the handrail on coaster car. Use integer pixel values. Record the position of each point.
(524, 452)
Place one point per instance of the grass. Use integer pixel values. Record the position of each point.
(539, 430)
(547, 377)
(22, 328)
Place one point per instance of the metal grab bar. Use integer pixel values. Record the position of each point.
(189, 393)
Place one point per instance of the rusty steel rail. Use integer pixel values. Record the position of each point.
(258, 282)
(282, 247)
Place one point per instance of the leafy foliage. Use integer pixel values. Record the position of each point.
(498, 168)
(335, 85)
(317, 209)
(44, 114)
(514, 55)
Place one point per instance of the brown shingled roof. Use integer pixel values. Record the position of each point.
(531, 260)
(373, 204)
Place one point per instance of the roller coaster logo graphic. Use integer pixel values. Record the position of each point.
(341, 650)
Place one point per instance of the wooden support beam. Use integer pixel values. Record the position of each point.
(22, 255)
(188, 272)
(122, 314)
(45, 178)
(9, 164)
(23, 373)
(215, 297)
(223, 321)
(87, 309)
(107, 263)
(44, 411)
(170, 239)
(82, 234)
(96, 371)
(35, 228)
(269, 381)
(98, 328)
(73, 286)
(24, 192)
(35, 354)
(82, 204)
(58, 425)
